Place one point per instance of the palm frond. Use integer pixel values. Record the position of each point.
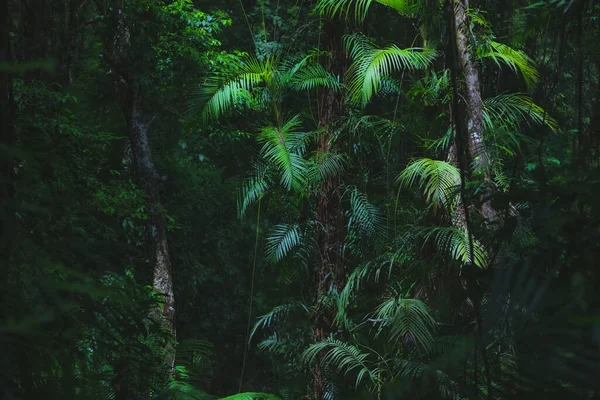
(438, 180)
(364, 217)
(314, 76)
(509, 110)
(278, 313)
(254, 188)
(337, 8)
(407, 318)
(221, 95)
(455, 243)
(281, 149)
(371, 65)
(325, 166)
(516, 60)
(344, 357)
(282, 240)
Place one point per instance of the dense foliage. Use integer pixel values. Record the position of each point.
(281, 199)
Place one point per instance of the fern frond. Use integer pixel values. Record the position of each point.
(437, 179)
(325, 166)
(282, 240)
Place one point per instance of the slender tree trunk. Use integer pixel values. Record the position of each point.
(469, 104)
(125, 77)
(330, 225)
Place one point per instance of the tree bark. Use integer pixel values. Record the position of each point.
(330, 224)
(122, 65)
(469, 105)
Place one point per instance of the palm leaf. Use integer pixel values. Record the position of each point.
(254, 188)
(282, 240)
(371, 65)
(344, 357)
(516, 60)
(220, 96)
(407, 318)
(456, 243)
(364, 217)
(508, 110)
(337, 8)
(438, 180)
(282, 150)
(314, 76)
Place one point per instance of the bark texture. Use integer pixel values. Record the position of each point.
(468, 103)
(330, 217)
(144, 171)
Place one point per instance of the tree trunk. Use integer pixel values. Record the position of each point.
(123, 68)
(330, 224)
(468, 103)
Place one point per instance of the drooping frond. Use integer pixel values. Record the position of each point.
(438, 180)
(344, 357)
(406, 318)
(455, 243)
(220, 97)
(516, 60)
(278, 313)
(363, 215)
(325, 166)
(281, 149)
(337, 8)
(372, 64)
(282, 240)
(509, 110)
(254, 188)
(314, 76)
(179, 390)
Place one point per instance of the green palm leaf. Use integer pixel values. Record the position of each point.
(336, 8)
(344, 357)
(456, 243)
(516, 60)
(314, 76)
(220, 96)
(371, 65)
(282, 149)
(438, 180)
(508, 110)
(407, 318)
(254, 188)
(282, 240)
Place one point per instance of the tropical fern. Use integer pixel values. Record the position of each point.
(314, 76)
(278, 313)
